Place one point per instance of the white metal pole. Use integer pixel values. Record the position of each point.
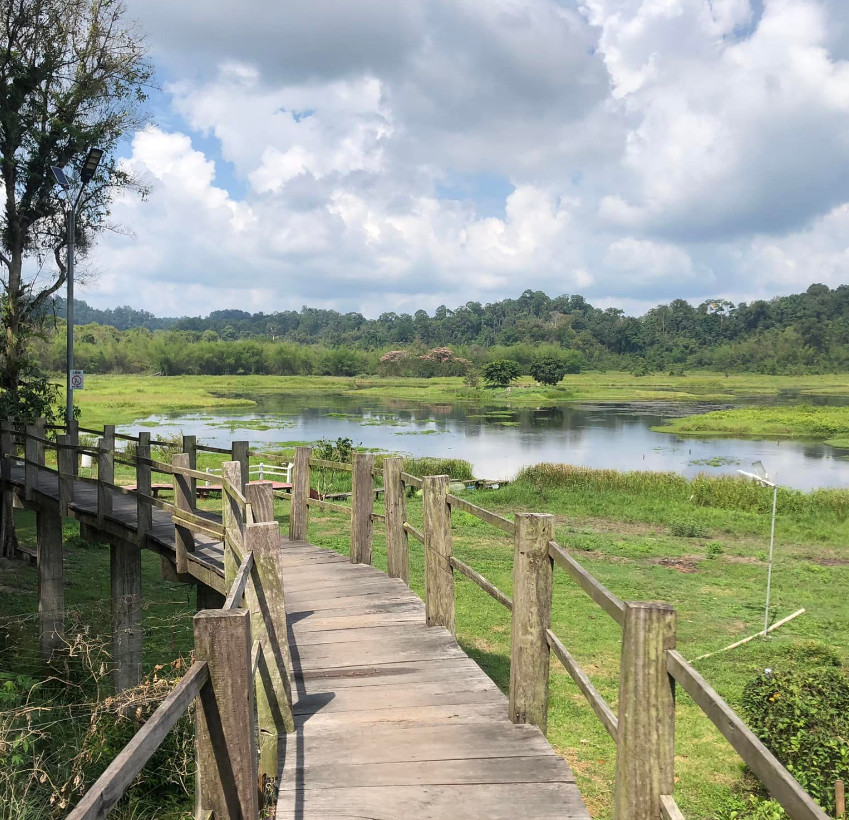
(769, 570)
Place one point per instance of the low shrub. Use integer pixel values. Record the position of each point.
(802, 715)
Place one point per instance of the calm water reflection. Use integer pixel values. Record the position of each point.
(498, 442)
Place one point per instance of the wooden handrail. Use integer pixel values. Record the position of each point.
(504, 524)
(237, 591)
(331, 465)
(487, 586)
(781, 785)
(413, 481)
(598, 703)
(669, 808)
(329, 505)
(612, 605)
(417, 534)
(109, 788)
(208, 449)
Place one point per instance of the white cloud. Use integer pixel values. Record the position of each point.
(644, 149)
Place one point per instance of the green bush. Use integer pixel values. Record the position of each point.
(501, 373)
(689, 528)
(802, 715)
(454, 467)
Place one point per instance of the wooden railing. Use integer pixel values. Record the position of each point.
(241, 677)
(643, 724)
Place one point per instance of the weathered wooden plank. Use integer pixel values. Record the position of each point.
(260, 496)
(299, 512)
(487, 586)
(51, 586)
(184, 538)
(531, 769)
(669, 808)
(499, 521)
(125, 568)
(454, 713)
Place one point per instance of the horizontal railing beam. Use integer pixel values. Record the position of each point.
(487, 586)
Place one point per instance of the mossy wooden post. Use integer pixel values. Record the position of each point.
(241, 452)
(144, 509)
(645, 755)
(299, 514)
(51, 586)
(184, 539)
(31, 465)
(532, 588)
(362, 508)
(105, 471)
(66, 456)
(7, 504)
(226, 754)
(266, 603)
(73, 429)
(397, 546)
(439, 574)
(126, 576)
(232, 516)
(190, 448)
(261, 498)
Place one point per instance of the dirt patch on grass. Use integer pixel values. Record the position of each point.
(686, 564)
(831, 562)
(609, 525)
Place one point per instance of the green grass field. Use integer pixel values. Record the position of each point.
(122, 399)
(829, 424)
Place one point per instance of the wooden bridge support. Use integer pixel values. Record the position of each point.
(532, 589)
(645, 756)
(51, 582)
(144, 509)
(439, 574)
(397, 545)
(190, 448)
(232, 518)
(126, 576)
(362, 508)
(299, 514)
(241, 452)
(8, 540)
(225, 751)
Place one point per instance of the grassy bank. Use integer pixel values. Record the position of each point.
(700, 546)
(122, 399)
(828, 424)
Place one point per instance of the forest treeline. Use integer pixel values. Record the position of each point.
(804, 332)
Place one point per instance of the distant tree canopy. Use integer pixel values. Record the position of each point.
(805, 332)
(501, 372)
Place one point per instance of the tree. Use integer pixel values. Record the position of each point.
(501, 373)
(72, 76)
(551, 369)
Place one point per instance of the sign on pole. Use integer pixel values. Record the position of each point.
(77, 380)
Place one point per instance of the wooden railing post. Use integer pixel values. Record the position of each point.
(532, 589)
(105, 470)
(73, 431)
(190, 448)
(241, 452)
(224, 741)
(144, 509)
(233, 520)
(7, 449)
(184, 539)
(438, 544)
(66, 457)
(261, 498)
(395, 502)
(645, 754)
(362, 508)
(299, 513)
(31, 456)
(267, 605)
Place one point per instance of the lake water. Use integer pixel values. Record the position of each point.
(499, 442)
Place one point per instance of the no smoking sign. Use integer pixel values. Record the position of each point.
(77, 380)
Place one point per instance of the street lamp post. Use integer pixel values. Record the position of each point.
(92, 160)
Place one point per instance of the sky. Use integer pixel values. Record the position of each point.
(390, 156)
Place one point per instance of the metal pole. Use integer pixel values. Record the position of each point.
(769, 571)
(69, 397)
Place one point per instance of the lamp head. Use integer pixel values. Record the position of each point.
(92, 160)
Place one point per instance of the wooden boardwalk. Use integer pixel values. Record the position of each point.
(392, 718)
